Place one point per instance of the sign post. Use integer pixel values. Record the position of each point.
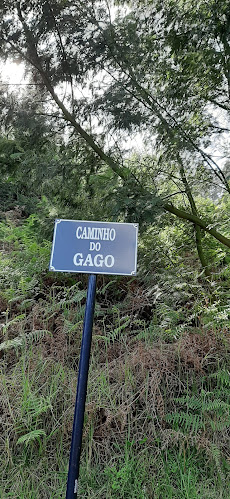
(83, 369)
(92, 248)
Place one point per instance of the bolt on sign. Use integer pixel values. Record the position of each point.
(94, 247)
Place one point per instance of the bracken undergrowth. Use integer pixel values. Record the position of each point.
(157, 421)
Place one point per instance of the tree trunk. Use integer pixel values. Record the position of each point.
(198, 234)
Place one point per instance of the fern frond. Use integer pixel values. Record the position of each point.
(21, 341)
(31, 437)
(35, 406)
(115, 333)
(37, 334)
(202, 404)
(216, 455)
(15, 343)
(76, 297)
(222, 376)
(69, 327)
(216, 405)
(16, 319)
(223, 393)
(191, 422)
(104, 288)
(193, 402)
(221, 424)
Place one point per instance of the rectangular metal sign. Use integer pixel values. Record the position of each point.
(94, 247)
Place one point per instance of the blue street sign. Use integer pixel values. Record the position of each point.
(94, 247)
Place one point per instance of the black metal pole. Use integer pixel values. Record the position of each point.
(74, 460)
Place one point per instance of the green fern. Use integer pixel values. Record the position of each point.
(201, 403)
(208, 410)
(16, 319)
(69, 327)
(216, 405)
(223, 393)
(21, 341)
(15, 343)
(216, 456)
(37, 334)
(194, 403)
(222, 376)
(31, 437)
(189, 422)
(220, 424)
(34, 406)
(102, 290)
(116, 332)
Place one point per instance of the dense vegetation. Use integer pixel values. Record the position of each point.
(100, 78)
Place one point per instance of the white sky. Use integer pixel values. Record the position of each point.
(12, 73)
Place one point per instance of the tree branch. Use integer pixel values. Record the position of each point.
(196, 220)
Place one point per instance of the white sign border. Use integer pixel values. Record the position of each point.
(59, 220)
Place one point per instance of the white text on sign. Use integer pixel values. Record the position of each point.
(101, 234)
